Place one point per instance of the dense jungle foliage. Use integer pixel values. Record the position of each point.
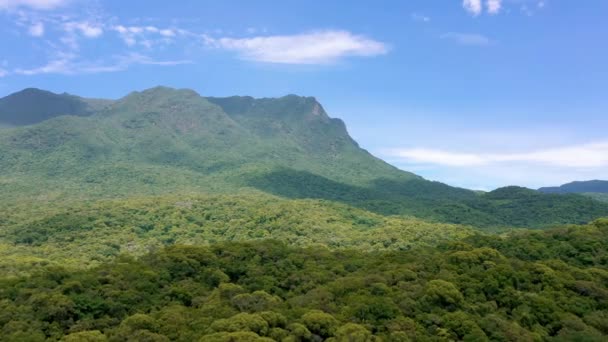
(532, 286)
(79, 235)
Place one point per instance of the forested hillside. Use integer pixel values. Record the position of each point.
(85, 234)
(172, 141)
(532, 286)
(597, 196)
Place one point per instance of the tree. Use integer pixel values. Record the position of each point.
(351, 332)
(85, 336)
(320, 323)
(442, 293)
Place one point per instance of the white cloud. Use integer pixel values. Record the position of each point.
(3, 73)
(494, 6)
(586, 156)
(59, 65)
(467, 38)
(472, 6)
(68, 64)
(34, 4)
(37, 30)
(430, 156)
(147, 36)
(87, 29)
(167, 33)
(310, 48)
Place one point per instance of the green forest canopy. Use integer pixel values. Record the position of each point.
(543, 285)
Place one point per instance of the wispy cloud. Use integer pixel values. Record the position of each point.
(472, 6)
(148, 35)
(494, 6)
(86, 28)
(36, 30)
(34, 4)
(467, 38)
(530, 7)
(309, 48)
(69, 64)
(585, 156)
(67, 49)
(3, 72)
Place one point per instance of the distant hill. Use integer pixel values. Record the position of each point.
(596, 189)
(165, 140)
(595, 186)
(31, 106)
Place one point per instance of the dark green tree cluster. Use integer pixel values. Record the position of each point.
(531, 286)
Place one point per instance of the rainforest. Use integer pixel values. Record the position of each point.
(169, 216)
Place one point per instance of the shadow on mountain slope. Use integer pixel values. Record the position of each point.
(505, 207)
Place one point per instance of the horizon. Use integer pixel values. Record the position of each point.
(473, 95)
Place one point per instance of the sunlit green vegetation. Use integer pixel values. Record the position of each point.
(544, 285)
(84, 234)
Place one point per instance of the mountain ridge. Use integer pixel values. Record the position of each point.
(165, 140)
(596, 189)
(590, 186)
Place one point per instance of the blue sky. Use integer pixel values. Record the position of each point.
(473, 93)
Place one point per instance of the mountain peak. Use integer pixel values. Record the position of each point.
(290, 107)
(30, 91)
(162, 91)
(33, 105)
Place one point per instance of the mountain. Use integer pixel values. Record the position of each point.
(596, 189)
(164, 140)
(31, 106)
(592, 186)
